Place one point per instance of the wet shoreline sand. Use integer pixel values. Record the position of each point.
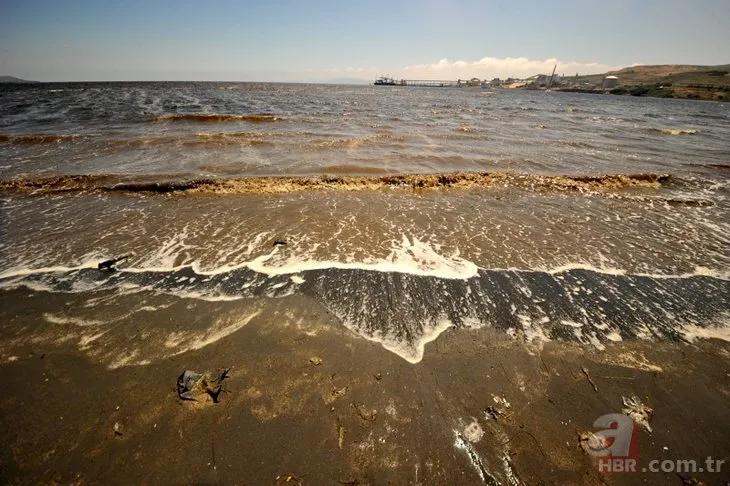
(361, 416)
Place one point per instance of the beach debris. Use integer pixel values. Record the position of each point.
(341, 392)
(110, 265)
(118, 429)
(340, 436)
(340, 433)
(591, 443)
(378, 376)
(364, 414)
(192, 385)
(279, 243)
(473, 432)
(349, 482)
(474, 458)
(585, 372)
(493, 412)
(501, 401)
(316, 360)
(641, 414)
(290, 478)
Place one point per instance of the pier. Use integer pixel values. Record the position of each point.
(429, 83)
(426, 83)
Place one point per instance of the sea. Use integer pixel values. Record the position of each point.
(404, 212)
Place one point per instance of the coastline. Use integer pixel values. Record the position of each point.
(309, 402)
(654, 91)
(435, 287)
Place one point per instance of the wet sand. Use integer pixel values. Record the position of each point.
(363, 415)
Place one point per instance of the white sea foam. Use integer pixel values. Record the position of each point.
(85, 341)
(532, 331)
(411, 256)
(566, 322)
(168, 252)
(584, 266)
(698, 271)
(411, 352)
(471, 453)
(127, 359)
(25, 271)
(68, 320)
(183, 342)
(720, 331)
(614, 336)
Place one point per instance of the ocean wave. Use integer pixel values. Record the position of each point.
(221, 117)
(575, 143)
(61, 183)
(233, 135)
(410, 256)
(718, 166)
(37, 139)
(403, 311)
(198, 139)
(672, 131)
(264, 185)
(354, 142)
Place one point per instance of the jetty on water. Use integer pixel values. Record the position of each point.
(424, 83)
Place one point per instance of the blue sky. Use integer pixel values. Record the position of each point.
(287, 40)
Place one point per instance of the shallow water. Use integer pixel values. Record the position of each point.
(605, 213)
(221, 130)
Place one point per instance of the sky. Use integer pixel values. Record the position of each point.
(346, 40)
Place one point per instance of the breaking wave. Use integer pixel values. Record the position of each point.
(405, 310)
(233, 135)
(719, 166)
(221, 117)
(274, 185)
(672, 131)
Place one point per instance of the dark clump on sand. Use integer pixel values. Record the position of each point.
(309, 402)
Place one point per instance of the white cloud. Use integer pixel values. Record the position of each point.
(485, 68)
(493, 67)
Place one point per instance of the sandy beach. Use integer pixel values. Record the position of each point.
(428, 287)
(309, 402)
(364, 243)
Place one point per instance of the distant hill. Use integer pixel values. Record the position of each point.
(669, 81)
(12, 79)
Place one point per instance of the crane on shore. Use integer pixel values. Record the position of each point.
(550, 83)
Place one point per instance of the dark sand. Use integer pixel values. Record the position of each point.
(362, 416)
